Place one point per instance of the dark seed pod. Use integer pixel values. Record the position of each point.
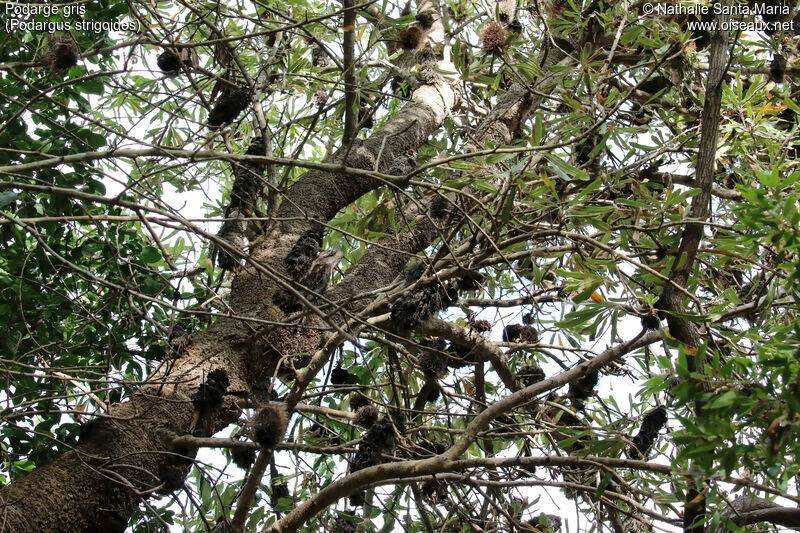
(655, 84)
(340, 376)
(440, 207)
(411, 308)
(530, 374)
(481, 326)
(433, 364)
(651, 322)
(515, 26)
(229, 107)
(243, 457)
(652, 423)
(366, 416)
(520, 333)
(777, 69)
(459, 356)
(303, 253)
(528, 319)
(170, 60)
(269, 425)
(583, 387)
(210, 393)
(171, 477)
(62, 52)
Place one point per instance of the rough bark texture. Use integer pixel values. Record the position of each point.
(118, 465)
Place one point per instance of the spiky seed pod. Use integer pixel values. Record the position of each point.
(583, 387)
(440, 208)
(404, 164)
(433, 364)
(243, 457)
(493, 38)
(229, 107)
(397, 418)
(426, 19)
(171, 477)
(378, 439)
(357, 401)
(528, 319)
(366, 416)
(303, 253)
(319, 57)
(340, 376)
(481, 326)
(210, 393)
(530, 374)
(413, 37)
(520, 333)
(652, 423)
(411, 308)
(62, 52)
(515, 26)
(269, 425)
(777, 69)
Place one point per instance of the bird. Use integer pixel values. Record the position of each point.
(314, 283)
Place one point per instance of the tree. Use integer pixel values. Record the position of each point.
(434, 237)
